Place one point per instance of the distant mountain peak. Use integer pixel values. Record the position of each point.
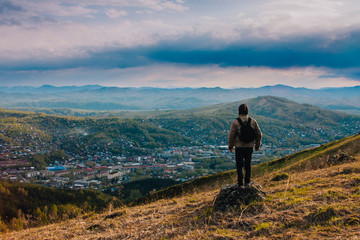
(47, 86)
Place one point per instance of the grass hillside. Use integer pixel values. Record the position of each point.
(313, 194)
(283, 122)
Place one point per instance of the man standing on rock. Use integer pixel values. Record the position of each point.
(244, 134)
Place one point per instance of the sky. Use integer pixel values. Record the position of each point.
(180, 43)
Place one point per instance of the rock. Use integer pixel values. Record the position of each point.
(232, 196)
(338, 159)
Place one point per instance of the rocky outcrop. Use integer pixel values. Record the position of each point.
(339, 159)
(231, 196)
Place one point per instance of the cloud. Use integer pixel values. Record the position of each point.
(9, 22)
(7, 10)
(37, 14)
(63, 27)
(340, 52)
(59, 35)
(157, 5)
(71, 8)
(112, 13)
(56, 8)
(8, 7)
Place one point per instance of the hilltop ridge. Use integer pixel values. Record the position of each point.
(284, 122)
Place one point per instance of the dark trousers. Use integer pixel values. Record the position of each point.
(241, 155)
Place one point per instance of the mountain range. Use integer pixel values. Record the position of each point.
(99, 98)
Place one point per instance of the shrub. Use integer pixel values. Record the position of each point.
(281, 176)
(352, 221)
(3, 227)
(16, 224)
(333, 195)
(322, 215)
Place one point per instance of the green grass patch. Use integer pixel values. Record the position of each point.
(356, 192)
(334, 195)
(289, 199)
(308, 158)
(300, 191)
(355, 181)
(263, 226)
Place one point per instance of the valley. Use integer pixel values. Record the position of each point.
(146, 151)
(70, 152)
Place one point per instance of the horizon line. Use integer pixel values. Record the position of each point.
(144, 87)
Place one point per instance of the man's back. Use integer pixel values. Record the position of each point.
(233, 138)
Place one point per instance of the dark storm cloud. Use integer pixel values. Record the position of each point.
(341, 53)
(311, 51)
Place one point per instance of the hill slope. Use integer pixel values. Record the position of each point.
(319, 199)
(83, 135)
(283, 122)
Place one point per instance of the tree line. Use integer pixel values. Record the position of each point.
(26, 205)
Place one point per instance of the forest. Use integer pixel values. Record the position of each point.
(26, 205)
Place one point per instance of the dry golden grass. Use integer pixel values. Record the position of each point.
(315, 204)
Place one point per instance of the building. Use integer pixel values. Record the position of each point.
(32, 174)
